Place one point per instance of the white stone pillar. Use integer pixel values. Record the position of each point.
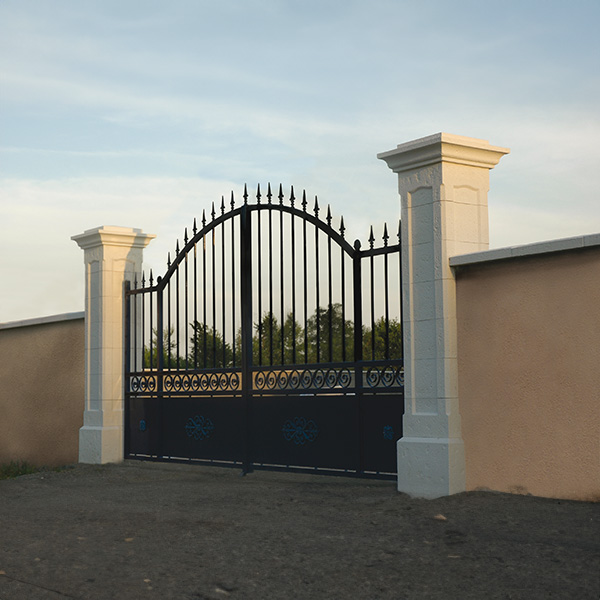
(443, 181)
(112, 255)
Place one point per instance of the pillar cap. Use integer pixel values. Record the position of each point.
(443, 147)
(109, 235)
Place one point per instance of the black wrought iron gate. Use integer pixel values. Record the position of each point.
(270, 342)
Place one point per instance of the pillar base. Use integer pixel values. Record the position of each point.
(431, 467)
(99, 445)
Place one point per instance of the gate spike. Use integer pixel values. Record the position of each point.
(371, 238)
(222, 205)
(292, 197)
(203, 218)
(304, 202)
(258, 194)
(143, 279)
(212, 214)
(195, 229)
(177, 248)
(135, 287)
(269, 194)
(168, 260)
(185, 237)
(245, 194)
(151, 278)
(232, 201)
(280, 195)
(386, 237)
(399, 231)
(329, 215)
(316, 208)
(342, 228)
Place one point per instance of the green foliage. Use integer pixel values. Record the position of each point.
(390, 337)
(169, 350)
(208, 349)
(322, 341)
(16, 469)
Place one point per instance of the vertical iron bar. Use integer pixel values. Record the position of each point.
(204, 357)
(358, 350)
(343, 276)
(246, 327)
(317, 291)
(330, 332)
(214, 300)
(305, 291)
(160, 365)
(195, 328)
(281, 283)
(260, 290)
(270, 286)
(387, 306)
(357, 276)
(372, 277)
(233, 284)
(177, 320)
(151, 319)
(186, 321)
(293, 232)
(223, 287)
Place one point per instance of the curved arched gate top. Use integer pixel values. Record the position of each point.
(269, 342)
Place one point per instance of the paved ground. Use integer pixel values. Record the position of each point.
(158, 531)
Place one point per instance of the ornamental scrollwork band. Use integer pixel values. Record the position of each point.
(387, 376)
(303, 379)
(201, 382)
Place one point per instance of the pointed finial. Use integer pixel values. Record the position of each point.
(245, 194)
(328, 218)
(386, 237)
(151, 278)
(269, 194)
(258, 195)
(316, 208)
(169, 260)
(232, 203)
(177, 248)
(371, 238)
(213, 213)
(185, 237)
(280, 195)
(222, 205)
(304, 202)
(203, 218)
(292, 197)
(143, 279)
(342, 228)
(195, 229)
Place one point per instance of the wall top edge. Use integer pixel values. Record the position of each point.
(72, 316)
(443, 147)
(535, 249)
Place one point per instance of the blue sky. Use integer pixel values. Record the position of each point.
(140, 113)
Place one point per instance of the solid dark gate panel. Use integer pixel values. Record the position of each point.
(270, 342)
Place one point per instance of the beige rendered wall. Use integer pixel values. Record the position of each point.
(529, 373)
(41, 391)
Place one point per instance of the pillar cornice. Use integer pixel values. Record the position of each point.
(107, 235)
(443, 148)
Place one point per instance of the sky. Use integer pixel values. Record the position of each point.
(141, 113)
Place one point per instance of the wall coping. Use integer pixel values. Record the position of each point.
(73, 316)
(535, 249)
